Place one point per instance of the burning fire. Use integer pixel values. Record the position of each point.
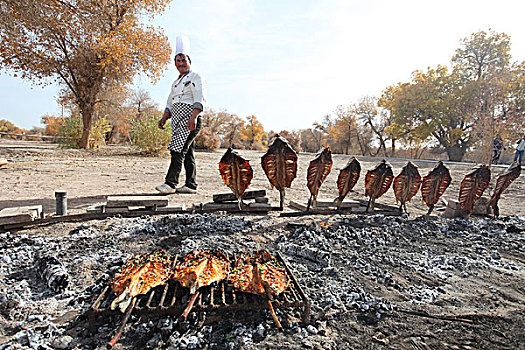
(325, 224)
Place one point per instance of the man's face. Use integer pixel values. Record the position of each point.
(182, 63)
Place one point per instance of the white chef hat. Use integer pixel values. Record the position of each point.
(182, 45)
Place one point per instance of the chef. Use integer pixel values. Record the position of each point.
(185, 103)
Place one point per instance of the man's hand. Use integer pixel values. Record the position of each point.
(192, 122)
(163, 120)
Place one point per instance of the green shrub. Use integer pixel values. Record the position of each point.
(146, 135)
(98, 132)
(70, 130)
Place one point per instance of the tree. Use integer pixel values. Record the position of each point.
(142, 102)
(483, 63)
(83, 45)
(482, 55)
(513, 119)
(8, 127)
(52, 124)
(311, 139)
(343, 131)
(232, 131)
(252, 133)
(372, 118)
(433, 105)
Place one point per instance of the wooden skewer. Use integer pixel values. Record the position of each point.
(190, 306)
(274, 316)
(120, 329)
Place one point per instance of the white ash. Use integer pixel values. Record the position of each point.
(318, 256)
(332, 265)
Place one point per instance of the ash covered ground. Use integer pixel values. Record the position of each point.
(374, 282)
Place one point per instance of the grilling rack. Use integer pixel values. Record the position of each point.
(171, 299)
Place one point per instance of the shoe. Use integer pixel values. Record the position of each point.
(186, 189)
(165, 189)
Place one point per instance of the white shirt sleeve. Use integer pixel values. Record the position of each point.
(198, 89)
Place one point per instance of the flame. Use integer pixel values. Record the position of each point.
(325, 224)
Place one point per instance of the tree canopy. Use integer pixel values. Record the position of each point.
(462, 106)
(84, 45)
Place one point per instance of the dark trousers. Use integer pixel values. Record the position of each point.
(518, 156)
(188, 156)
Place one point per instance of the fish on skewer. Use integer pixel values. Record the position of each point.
(236, 173)
(503, 181)
(318, 170)
(472, 187)
(280, 166)
(138, 275)
(201, 268)
(260, 273)
(406, 185)
(347, 179)
(377, 182)
(434, 185)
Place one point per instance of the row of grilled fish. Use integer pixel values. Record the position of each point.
(408, 182)
(280, 166)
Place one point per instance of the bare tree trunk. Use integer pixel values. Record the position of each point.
(360, 143)
(393, 147)
(456, 153)
(87, 121)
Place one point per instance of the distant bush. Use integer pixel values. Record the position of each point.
(70, 130)
(98, 132)
(7, 127)
(207, 140)
(146, 135)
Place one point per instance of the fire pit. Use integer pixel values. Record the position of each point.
(171, 299)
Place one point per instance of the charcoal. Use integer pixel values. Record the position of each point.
(53, 273)
(348, 270)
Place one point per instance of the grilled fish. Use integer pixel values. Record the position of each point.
(201, 268)
(434, 185)
(472, 187)
(347, 179)
(138, 275)
(236, 173)
(503, 181)
(318, 170)
(406, 184)
(377, 182)
(280, 166)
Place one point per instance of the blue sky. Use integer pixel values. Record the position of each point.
(290, 63)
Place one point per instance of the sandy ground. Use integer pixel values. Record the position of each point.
(489, 298)
(37, 169)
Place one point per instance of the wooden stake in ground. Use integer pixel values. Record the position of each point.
(472, 187)
(434, 185)
(503, 181)
(318, 170)
(236, 173)
(377, 182)
(280, 166)
(406, 185)
(347, 179)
